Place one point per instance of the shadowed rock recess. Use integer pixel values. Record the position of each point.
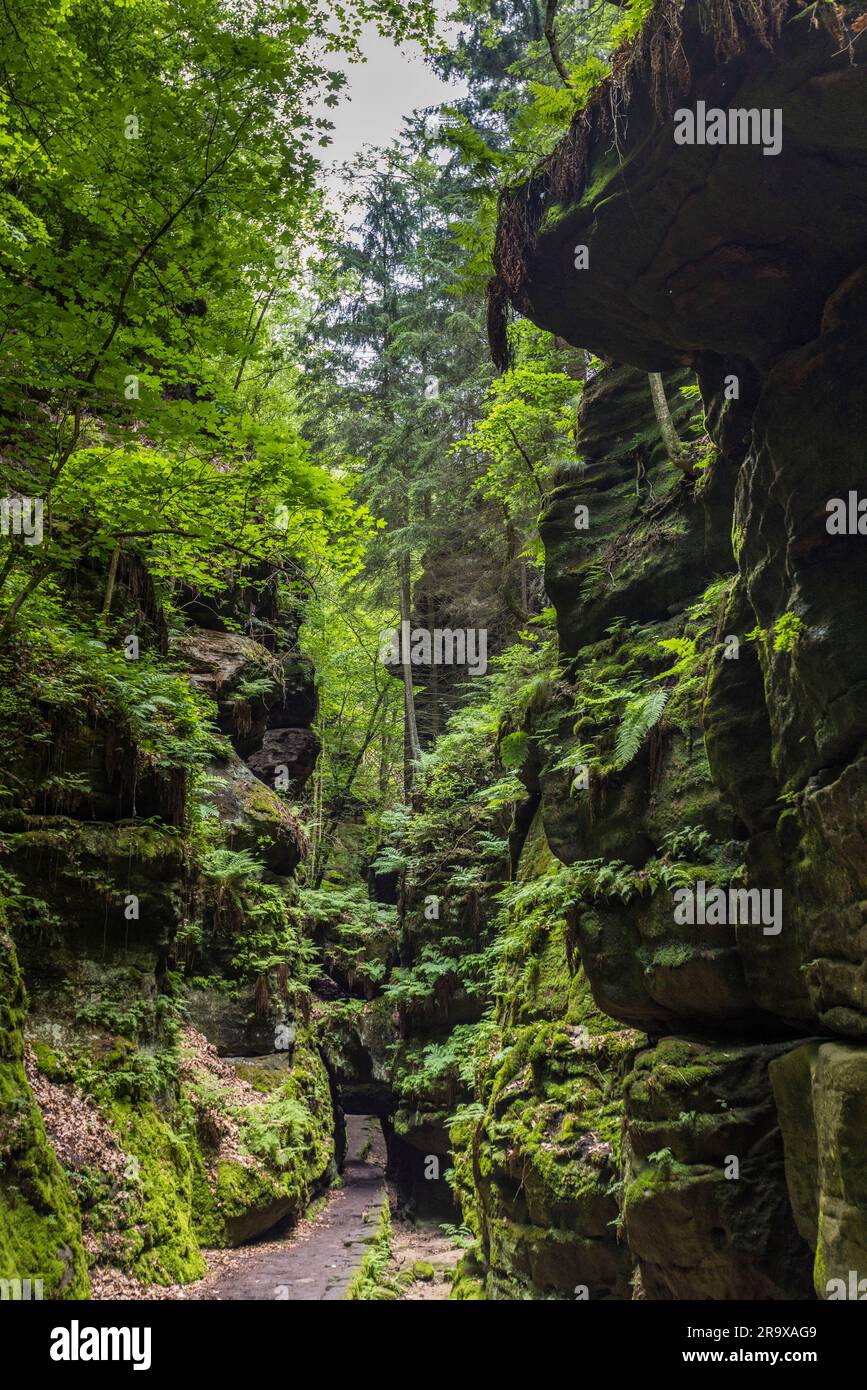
(746, 268)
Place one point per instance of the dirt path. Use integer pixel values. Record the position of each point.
(317, 1259)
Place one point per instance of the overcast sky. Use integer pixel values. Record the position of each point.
(379, 93)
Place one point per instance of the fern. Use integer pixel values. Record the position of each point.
(513, 750)
(253, 687)
(230, 865)
(640, 717)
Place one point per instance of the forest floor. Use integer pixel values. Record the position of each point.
(429, 1254)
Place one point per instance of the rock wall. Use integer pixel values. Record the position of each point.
(147, 903)
(747, 269)
(630, 1144)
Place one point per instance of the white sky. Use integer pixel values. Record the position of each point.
(379, 93)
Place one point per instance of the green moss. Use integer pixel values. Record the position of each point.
(536, 1156)
(468, 1285)
(161, 1246)
(656, 1177)
(241, 1188)
(40, 1228)
(49, 1063)
(820, 1272)
(369, 1283)
(287, 1143)
(675, 1064)
(670, 957)
(468, 1290)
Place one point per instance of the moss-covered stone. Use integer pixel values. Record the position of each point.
(285, 1152)
(537, 1173)
(40, 1229)
(821, 1093)
(705, 1209)
(254, 817)
(161, 1246)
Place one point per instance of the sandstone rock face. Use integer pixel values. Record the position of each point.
(591, 576)
(706, 1211)
(266, 703)
(750, 270)
(288, 753)
(125, 868)
(230, 1024)
(697, 248)
(651, 550)
(821, 1094)
(42, 1234)
(219, 661)
(255, 818)
(538, 1172)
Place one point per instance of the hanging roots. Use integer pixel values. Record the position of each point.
(498, 319)
(734, 23)
(134, 576)
(657, 58)
(263, 997)
(283, 980)
(472, 914)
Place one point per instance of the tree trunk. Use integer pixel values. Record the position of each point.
(327, 825)
(673, 446)
(109, 585)
(313, 863)
(412, 747)
(18, 603)
(15, 549)
(383, 760)
(433, 691)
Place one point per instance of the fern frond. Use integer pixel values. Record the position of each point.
(640, 717)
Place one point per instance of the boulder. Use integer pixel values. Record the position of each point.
(286, 754)
(254, 817)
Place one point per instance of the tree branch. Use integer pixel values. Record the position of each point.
(553, 44)
(529, 462)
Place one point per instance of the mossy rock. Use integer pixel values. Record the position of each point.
(821, 1094)
(91, 869)
(40, 1228)
(254, 818)
(468, 1284)
(287, 1144)
(161, 1244)
(706, 1208)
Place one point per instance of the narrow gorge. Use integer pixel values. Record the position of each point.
(432, 864)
